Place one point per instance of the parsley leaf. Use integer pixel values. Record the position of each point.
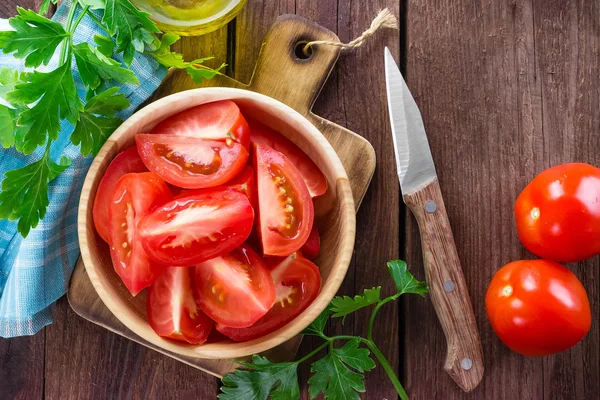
(94, 67)
(279, 381)
(165, 56)
(94, 4)
(123, 20)
(342, 306)
(405, 281)
(98, 121)
(195, 69)
(105, 44)
(45, 6)
(24, 194)
(333, 378)
(58, 100)
(318, 325)
(355, 357)
(34, 38)
(8, 80)
(7, 127)
(200, 72)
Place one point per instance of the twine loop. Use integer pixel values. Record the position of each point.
(384, 19)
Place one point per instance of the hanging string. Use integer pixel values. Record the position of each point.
(384, 19)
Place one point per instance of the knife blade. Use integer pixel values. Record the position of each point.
(421, 193)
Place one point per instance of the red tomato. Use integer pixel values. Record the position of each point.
(285, 207)
(220, 121)
(124, 163)
(134, 196)
(313, 244)
(246, 184)
(190, 162)
(243, 183)
(558, 213)
(172, 309)
(538, 307)
(195, 228)
(297, 284)
(235, 289)
(312, 175)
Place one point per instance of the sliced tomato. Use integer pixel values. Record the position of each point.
(172, 309)
(190, 162)
(246, 184)
(219, 120)
(197, 227)
(312, 175)
(313, 244)
(236, 289)
(243, 183)
(125, 162)
(134, 196)
(297, 283)
(285, 207)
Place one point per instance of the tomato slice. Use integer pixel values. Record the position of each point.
(246, 184)
(243, 183)
(124, 163)
(172, 309)
(313, 244)
(297, 283)
(197, 227)
(235, 289)
(312, 175)
(190, 162)
(219, 120)
(285, 207)
(134, 196)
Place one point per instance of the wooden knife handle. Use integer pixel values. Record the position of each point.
(447, 288)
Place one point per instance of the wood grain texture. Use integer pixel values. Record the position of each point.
(447, 288)
(22, 367)
(506, 90)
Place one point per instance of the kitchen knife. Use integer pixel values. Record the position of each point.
(421, 193)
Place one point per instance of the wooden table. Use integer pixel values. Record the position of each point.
(506, 88)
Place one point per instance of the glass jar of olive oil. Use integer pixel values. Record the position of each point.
(190, 17)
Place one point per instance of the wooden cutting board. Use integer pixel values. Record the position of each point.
(295, 81)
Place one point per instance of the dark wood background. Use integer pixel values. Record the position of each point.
(507, 88)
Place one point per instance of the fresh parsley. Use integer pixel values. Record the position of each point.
(339, 375)
(35, 103)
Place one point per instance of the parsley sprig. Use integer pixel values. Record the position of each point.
(35, 103)
(339, 375)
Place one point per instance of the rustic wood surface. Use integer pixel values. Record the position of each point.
(506, 88)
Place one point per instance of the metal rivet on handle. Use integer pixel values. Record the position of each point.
(449, 285)
(430, 206)
(466, 364)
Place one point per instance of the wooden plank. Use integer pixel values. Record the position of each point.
(482, 75)
(22, 367)
(568, 55)
(472, 71)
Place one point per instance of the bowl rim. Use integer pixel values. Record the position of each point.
(222, 350)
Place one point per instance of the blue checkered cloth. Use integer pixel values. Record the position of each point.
(35, 271)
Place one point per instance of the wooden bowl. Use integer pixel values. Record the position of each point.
(337, 226)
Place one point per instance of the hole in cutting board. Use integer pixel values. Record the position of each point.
(299, 51)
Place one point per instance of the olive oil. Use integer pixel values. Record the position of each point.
(190, 17)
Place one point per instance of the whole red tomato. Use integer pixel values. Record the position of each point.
(558, 213)
(538, 307)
